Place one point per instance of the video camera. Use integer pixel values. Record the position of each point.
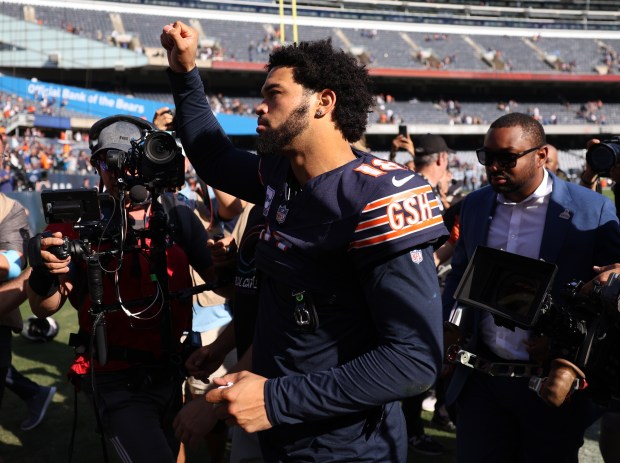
(582, 329)
(142, 154)
(601, 157)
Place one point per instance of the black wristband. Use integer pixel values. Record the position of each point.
(42, 282)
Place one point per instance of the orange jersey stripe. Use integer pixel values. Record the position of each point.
(397, 197)
(397, 233)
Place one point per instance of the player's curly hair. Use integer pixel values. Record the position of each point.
(532, 129)
(317, 66)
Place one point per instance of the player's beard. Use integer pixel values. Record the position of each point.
(274, 141)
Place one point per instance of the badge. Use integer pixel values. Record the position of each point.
(416, 256)
(281, 214)
(565, 214)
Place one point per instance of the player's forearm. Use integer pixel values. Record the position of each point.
(405, 311)
(210, 151)
(381, 376)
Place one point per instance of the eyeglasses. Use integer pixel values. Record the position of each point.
(504, 159)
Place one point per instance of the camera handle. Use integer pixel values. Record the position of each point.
(459, 356)
(158, 226)
(94, 277)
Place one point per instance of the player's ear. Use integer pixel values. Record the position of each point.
(326, 101)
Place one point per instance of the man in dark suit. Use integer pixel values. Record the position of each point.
(527, 211)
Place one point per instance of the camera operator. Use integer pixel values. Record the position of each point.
(137, 388)
(530, 212)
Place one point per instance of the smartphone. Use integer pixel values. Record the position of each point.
(402, 130)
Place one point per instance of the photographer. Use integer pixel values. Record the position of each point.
(131, 363)
(526, 211)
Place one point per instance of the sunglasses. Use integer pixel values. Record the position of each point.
(504, 159)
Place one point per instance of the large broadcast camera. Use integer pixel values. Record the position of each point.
(142, 154)
(583, 329)
(601, 157)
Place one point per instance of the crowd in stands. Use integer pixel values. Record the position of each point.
(30, 157)
(423, 50)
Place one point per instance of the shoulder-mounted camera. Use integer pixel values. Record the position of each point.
(139, 152)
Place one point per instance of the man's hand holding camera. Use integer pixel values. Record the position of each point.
(164, 118)
(50, 261)
(401, 142)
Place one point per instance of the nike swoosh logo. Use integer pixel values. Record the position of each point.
(402, 181)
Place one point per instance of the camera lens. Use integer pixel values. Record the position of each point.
(160, 147)
(602, 156)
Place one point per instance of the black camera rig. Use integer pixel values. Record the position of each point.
(584, 329)
(601, 157)
(139, 152)
(98, 218)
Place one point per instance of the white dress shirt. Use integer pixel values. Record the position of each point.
(517, 228)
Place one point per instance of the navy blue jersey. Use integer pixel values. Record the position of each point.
(349, 315)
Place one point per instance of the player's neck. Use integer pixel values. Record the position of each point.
(319, 157)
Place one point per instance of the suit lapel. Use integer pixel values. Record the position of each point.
(557, 222)
(482, 218)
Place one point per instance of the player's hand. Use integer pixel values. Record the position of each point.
(195, 420)
(181, 44)
(52, 263)
(204, 361)
(243, 403)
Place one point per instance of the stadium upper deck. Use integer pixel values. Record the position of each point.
(459, 44)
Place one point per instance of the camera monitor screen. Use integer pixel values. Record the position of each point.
(72, 205)
(508, 285)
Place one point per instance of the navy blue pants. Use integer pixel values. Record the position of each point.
(499, 420)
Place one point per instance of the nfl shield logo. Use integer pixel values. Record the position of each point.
(416, 256)
(281, 214)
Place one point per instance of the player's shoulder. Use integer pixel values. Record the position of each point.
(398, 207)
(383, 176)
